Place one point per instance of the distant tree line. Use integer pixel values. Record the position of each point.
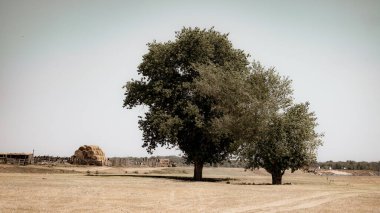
(176, 160)
(351, 165)
(50, 159)
(144, 161)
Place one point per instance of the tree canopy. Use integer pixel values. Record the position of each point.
(269, 130)
(288, 142)
(178, 115)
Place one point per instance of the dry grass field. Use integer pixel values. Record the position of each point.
(70, 189)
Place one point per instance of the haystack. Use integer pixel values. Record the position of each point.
(89, 155)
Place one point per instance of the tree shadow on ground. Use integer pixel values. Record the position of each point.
(178, 178)
(259, 184)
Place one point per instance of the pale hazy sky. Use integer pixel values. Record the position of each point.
(63, 63)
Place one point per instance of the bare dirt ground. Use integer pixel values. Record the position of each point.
(70, 189)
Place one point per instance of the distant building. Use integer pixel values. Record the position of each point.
(16, 158)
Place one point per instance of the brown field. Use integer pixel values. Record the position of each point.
(70, 189)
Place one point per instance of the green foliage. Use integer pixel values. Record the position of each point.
(204, 99)
(289, 142)
(258, 111)
(178, 115)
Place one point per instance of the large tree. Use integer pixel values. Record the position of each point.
(178, 115)
(258, 111)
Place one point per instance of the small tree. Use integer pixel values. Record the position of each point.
(258, 111)
(289, 142)
(178, 116)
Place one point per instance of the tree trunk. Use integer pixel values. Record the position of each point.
(276, 178)
(198, 168)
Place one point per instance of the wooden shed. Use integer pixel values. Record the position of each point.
(16, 158)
